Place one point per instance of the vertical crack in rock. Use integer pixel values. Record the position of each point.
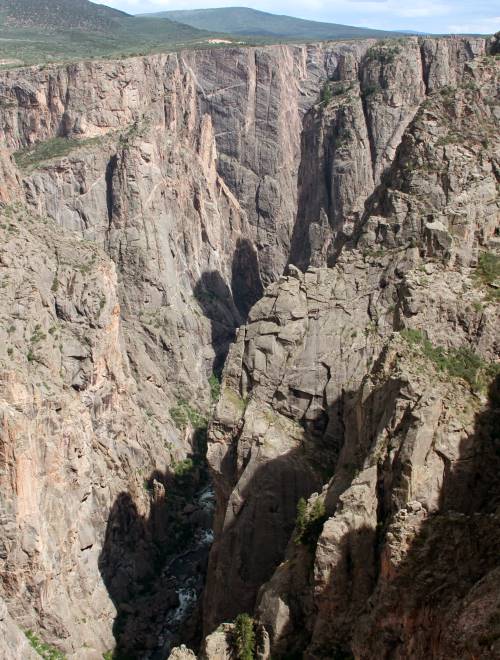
(110, 171)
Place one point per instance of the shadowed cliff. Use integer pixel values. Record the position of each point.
(437, 598)
(154, 564)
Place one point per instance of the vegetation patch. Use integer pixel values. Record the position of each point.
(309, 523)
(461, 362)
(326, 94)
(44, 650)
(450, 138)
(383, 53)
(38, 335)
(488, 274)
(244, 637)
(344, 136)
(183, 415)
(214, 383)
(188, 476)
(58, 147)
(372, 89)
(235, 400)
(183, 468)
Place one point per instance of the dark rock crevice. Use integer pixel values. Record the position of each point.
(110, 171)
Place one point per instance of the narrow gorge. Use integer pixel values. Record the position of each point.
(249, 352)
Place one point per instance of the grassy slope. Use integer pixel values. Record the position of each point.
(52, 14)
(245, 21)
(38, 31)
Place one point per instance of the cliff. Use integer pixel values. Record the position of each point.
(373, 383)
(150, 207)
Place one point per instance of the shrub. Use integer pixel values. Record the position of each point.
(461, 362)
(183, 414)
(301, 520)
(184, 467)
(244, 637)
(214, 383)
(344, 136)
(38, 334)
(44, 650)
(309, 524)
(488, 274)
(383, 53)
(326, 94)
(464, 363)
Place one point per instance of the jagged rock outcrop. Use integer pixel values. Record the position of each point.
(13, 642)
(156, 197)
(347, 357)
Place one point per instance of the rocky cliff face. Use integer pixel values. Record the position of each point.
(150, 210)
(372, 382)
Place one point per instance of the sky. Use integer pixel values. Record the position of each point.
(435, 16)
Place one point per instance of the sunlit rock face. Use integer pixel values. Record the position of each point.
(154, 213)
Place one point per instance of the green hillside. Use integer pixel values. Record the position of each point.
(250, 22)
(52, 14)
(39, 31)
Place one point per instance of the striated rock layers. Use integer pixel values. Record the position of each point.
(149, 208)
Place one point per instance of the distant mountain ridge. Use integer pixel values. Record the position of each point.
(56, 14)
(252, 22)
(37, 31)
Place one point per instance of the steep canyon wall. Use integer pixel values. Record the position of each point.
(152, 208)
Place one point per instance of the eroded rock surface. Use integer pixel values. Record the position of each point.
(338, 370)
(154, 212)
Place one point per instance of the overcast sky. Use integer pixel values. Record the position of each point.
(481, 16)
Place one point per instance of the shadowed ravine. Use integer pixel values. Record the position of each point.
(154, 568)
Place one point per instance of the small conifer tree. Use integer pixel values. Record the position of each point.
(244, 637)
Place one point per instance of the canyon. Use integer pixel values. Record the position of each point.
(258, 285)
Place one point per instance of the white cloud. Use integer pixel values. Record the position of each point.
(424, 10)
(478, 26)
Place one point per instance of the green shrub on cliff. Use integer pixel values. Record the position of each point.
(35, 155)
(183, 414)
(309, 524)
(462, 362)
(326, 94)
(214, 384)
(488, 274)
(301, 520)
(244, 637)
(44, 650)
